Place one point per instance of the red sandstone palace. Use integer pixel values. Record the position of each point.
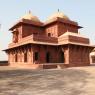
(54, 43)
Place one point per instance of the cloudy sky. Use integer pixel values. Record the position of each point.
(82, 11)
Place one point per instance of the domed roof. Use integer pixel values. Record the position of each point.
(58, 14)
(29, 16)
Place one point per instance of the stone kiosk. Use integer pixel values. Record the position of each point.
(53, 44)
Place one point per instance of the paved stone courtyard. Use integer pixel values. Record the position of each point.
(69, 81)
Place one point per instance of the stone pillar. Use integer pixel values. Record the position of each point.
(18, 56)
(65, 50)
(69, 54)
(29, 57)
(32, 55)
(23, 56)
(16, 53)
(13, 57)
(66, 55)
(9, 57)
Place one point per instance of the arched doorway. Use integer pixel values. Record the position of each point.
(62, 58)
(47, 57)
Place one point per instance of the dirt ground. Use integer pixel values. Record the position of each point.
(69, 81)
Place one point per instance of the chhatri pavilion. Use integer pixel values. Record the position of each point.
(54, 43)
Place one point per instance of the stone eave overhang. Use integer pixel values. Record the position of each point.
(16, 47)
(62, 21)
(40, 24)
(50, 44)
(28, 22)
(80, 44)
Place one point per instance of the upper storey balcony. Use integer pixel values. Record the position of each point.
(67, 38)
(35, 39)
(73, 38)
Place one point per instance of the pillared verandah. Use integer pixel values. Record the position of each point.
(54, 43)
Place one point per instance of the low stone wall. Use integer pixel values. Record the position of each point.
(55, 65)
(47, 65)
(41, 66)
(3, 63)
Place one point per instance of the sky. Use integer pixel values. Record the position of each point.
(81, 11)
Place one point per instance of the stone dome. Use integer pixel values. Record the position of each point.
(58, 14)
(31, 17)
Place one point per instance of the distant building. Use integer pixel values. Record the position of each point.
(92, 56)
(54, 43)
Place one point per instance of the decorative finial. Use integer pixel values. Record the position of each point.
(58, 10)
(67, 30)
(29, 12)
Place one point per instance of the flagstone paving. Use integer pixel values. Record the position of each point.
(69, 81)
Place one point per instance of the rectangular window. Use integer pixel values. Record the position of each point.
(49, 34)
